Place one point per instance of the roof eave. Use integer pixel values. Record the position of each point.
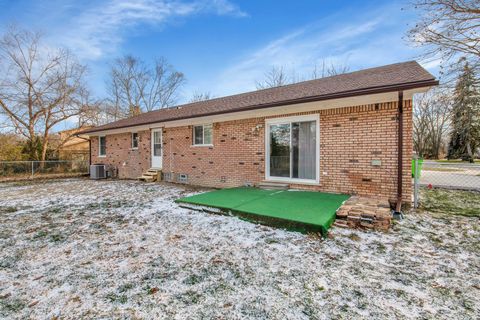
(345, 94)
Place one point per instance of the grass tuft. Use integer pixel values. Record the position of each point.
(8, 209)
(57, 237)
(354, 237)
(12, 305)
(454, 202)
(40, 234)
(113, 297)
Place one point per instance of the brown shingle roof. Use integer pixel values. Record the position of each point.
(399, 76)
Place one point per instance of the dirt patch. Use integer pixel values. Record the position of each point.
(40, 176)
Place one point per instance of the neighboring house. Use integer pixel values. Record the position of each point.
(337, 134)
(71, 147)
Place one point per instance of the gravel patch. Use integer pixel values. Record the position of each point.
(74, 249)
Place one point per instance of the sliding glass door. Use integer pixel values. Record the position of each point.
(280, 150)
(292, 148)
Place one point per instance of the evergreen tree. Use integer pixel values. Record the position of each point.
(465, 135)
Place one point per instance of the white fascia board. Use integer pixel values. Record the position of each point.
(408, 94)
(273, 111)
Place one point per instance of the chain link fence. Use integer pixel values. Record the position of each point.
(19, 170)
(445, 175)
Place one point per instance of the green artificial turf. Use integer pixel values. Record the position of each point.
(297, 210)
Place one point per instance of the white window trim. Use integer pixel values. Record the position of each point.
(100, 148)
(285, 120)
(203, 135)
(138, 141)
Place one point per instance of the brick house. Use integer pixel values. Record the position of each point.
(350, 133)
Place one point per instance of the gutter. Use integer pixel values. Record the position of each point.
(345, 94)
(398, 209)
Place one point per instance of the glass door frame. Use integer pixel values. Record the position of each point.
(156, 161)
(289, 120)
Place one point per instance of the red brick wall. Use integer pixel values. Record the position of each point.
(129, 162)
(350, 138)
(237, 154)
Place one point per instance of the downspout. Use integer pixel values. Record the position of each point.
(398, 208)
(89, 149)
(89, 153)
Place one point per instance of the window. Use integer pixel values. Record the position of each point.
(134, 140)
(102, 146)
(202, 135)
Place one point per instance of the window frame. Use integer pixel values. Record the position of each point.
(203, 144)
(290, 120)
(133, 140)
(100, 146)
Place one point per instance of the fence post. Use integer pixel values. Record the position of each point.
(32, 170)
(416, 181)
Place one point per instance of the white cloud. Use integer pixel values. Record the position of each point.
(433, 63)
(358, 41)
(298, 51)
(224, 7)
(100, 29)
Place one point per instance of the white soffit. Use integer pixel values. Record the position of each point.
(273, 111)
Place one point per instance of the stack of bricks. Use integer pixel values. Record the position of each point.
(366, 213)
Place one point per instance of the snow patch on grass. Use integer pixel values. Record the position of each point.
(121, 249)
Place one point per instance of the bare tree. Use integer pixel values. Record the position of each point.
(93, 111)
(275, 77)
(133, 86)
(201, 96)
(328, 69)
(40, 87)
(420, 127)
(439, 123)
(431, 122)
(449, 30)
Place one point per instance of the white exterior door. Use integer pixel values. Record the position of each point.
(157, 150)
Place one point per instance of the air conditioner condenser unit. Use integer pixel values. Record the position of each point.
(98, 171)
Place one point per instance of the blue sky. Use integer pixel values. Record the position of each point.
(222, 46)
